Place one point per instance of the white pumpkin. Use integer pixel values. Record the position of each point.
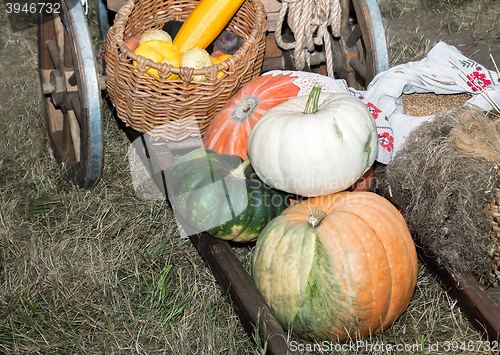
(316, 153)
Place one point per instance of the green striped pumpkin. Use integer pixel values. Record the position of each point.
(221, 194)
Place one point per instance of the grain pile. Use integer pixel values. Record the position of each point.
(442, 180)
(432, 104)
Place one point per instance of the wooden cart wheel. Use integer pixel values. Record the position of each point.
(361, 51)
(71, 95)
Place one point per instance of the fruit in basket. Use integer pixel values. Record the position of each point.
(205, 23)
(172, 27)
(337, 266)
(160, 52)
(216, 54)
(196, 58)
(133, 42)
(155, 34)
(219, 59)
(314, 145)
(220, 194)
(228, 42)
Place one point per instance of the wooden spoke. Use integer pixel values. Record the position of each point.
(74, 128)
(358, 67)
(354, 37)
(54, 53)
(59, 34)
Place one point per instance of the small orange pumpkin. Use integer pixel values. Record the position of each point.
(364, 183)
(336, 267)
(216, 54)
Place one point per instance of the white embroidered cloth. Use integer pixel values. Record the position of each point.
(444, 71)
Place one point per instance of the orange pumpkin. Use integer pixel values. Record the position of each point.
(364, 183)
(346, 270)
(228, 132)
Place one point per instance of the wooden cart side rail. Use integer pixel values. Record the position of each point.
(249, 305)
(247, 301)
(473, 300)
(272, 8)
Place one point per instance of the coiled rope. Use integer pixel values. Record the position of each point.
(309, 21)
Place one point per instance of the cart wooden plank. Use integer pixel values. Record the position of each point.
(247, 301)
(472, 298)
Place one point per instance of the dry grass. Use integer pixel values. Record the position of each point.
(415, 26)
(104, 272)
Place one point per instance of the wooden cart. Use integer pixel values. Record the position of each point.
(72, 104)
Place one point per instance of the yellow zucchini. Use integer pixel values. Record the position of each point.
(207, 20)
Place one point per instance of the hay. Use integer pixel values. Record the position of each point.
(442, 180)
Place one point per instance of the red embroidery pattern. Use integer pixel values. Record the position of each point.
(386, 141)
(373, 110)
(477, 81)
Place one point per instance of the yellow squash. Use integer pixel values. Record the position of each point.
(205, 23)
(160, 52)
(155, 34)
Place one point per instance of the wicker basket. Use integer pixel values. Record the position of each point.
(177, 109)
